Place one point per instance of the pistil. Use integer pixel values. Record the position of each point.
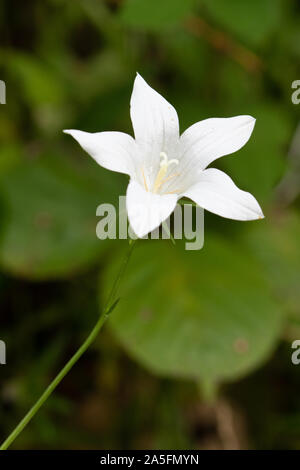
(164, 165)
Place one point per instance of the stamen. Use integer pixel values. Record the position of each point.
(176, 191)
(169, 177)
(144, 178)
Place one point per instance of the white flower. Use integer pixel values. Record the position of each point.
(164, 166)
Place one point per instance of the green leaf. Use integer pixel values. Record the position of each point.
(155, 15)
(275, 242)
(51, 212)
(252, 21)
(207, 315)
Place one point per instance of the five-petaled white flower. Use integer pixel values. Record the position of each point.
(164, 166)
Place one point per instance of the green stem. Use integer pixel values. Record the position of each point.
(108, 308)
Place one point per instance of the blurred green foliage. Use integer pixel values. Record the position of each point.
(212, 316)
(181, 316)
(253, 22)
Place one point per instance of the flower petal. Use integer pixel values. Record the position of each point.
(154, 120)
(207, 140)
(115, 151)
(146, 210)
(216, 192)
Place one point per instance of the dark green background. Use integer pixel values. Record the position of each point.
(198, 352)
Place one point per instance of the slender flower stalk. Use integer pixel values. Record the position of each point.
(108, 308)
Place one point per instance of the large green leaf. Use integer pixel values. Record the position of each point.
(276, 244)
(51, 218)
(207, 315)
